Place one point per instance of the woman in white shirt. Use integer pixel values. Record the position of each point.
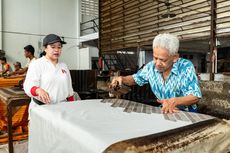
(48, 80)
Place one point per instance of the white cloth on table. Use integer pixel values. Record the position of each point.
(89, 126)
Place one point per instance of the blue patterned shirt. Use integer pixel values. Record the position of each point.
(182, 81)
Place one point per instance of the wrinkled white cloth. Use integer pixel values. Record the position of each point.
(89, 126)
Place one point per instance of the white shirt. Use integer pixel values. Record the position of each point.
(55, 80)
(30, 61)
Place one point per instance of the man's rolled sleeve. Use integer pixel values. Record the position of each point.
(191, 83)
(193, 92)
(141, 77)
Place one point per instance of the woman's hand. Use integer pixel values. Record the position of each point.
(43, 95)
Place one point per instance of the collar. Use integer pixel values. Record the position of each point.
(47, 60)
(32, 58)
(175, 67)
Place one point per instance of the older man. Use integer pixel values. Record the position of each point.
(172, 79)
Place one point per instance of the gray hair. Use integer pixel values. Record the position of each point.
(167, 41)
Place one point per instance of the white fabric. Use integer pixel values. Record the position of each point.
(89, 126)
(55, 80)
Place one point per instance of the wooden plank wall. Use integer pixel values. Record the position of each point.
(134, 23)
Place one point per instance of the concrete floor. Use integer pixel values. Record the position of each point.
(19, 147)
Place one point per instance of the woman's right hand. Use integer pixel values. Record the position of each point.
(43, 95)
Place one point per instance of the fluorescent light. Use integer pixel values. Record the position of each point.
(125, 52)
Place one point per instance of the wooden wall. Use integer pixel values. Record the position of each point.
(134, 23)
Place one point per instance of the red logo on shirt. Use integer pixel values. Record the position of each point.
(63, 71)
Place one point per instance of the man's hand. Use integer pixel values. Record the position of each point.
(115, 82)
(169, 105)
(114, 85)
(119, 85)
(43, 95)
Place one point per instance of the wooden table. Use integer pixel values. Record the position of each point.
(9, 82)
(12, 97)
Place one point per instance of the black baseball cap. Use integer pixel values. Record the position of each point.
(52, 38)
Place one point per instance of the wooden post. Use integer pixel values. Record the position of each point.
(212, 40)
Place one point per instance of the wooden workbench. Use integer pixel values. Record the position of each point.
(12, 99)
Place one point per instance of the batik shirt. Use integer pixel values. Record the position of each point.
(182, 81)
